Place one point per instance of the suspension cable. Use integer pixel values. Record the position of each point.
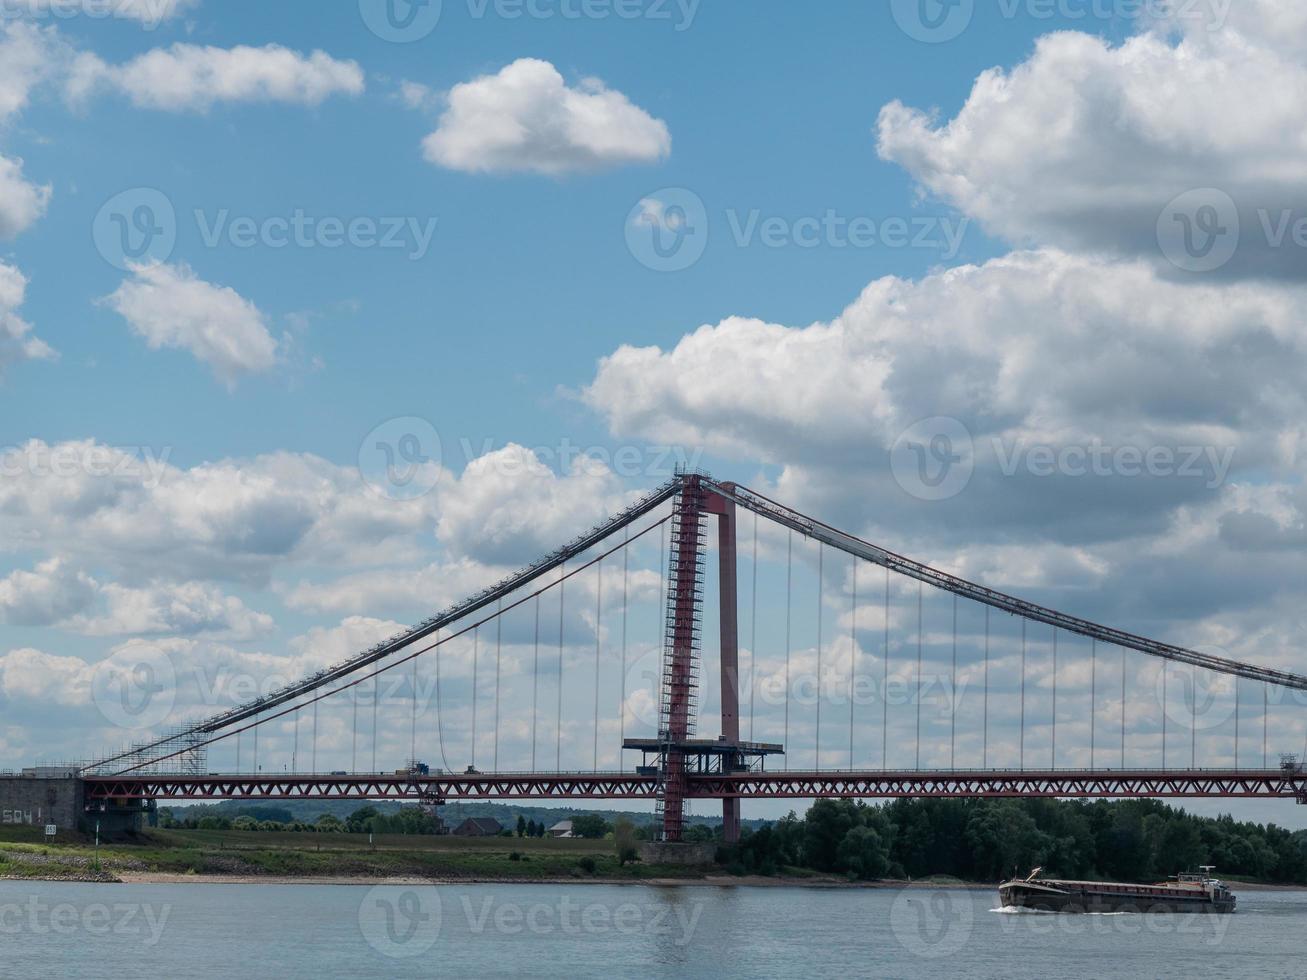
(1093, 701)
(1022, 752)
(476, 658)
(535, 687)
(558, 730)
(1053, 754)
(920, 642)
(985, 722)
(626, 611)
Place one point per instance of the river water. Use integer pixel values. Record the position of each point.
(51, 929)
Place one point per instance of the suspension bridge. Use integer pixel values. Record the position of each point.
(1035, 675)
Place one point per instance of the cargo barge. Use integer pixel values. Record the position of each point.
(1185, 893)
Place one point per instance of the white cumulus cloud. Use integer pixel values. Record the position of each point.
(169, 306)
(1086, 144)
(527, 118)
(16, 340)
(190, 77)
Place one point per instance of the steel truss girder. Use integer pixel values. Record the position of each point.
(1106, 784)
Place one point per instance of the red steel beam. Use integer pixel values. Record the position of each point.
(1196, 783)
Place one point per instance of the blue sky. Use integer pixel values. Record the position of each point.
(1051, 156)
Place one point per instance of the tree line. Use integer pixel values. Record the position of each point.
(990, 840)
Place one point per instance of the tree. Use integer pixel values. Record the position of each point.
(590, 825)
(624, 842)
(360, 821)
(521, 825)
(329, 823)
(245, 823)
(863, 854)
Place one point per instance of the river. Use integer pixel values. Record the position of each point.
(291, 931)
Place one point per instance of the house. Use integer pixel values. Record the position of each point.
(561, 829)
(478, 827)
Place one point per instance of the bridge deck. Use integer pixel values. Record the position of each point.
(1188, 783)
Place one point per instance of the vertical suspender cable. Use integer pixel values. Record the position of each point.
(256, 744)
(789, 581)
(315, 737)
(985, 718)
(853, 656)
(354, 731)
(1266, 709)
(626, 566)
(599, 611)
(753, 629)
(1123, 707)
(920, 590)
(1054, 750)
(476, 659)
(884, 688)
(1236, 722)
(953, 693)
(376, 696)
(295, 750)
(1022, 751)
(1193, 717)
(413, 717)
(535, 687)
(821, 596)
(1166, 701)
(558, 731)
(499, 655)
(1093, 700)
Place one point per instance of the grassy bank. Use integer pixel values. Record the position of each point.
(24, 853)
